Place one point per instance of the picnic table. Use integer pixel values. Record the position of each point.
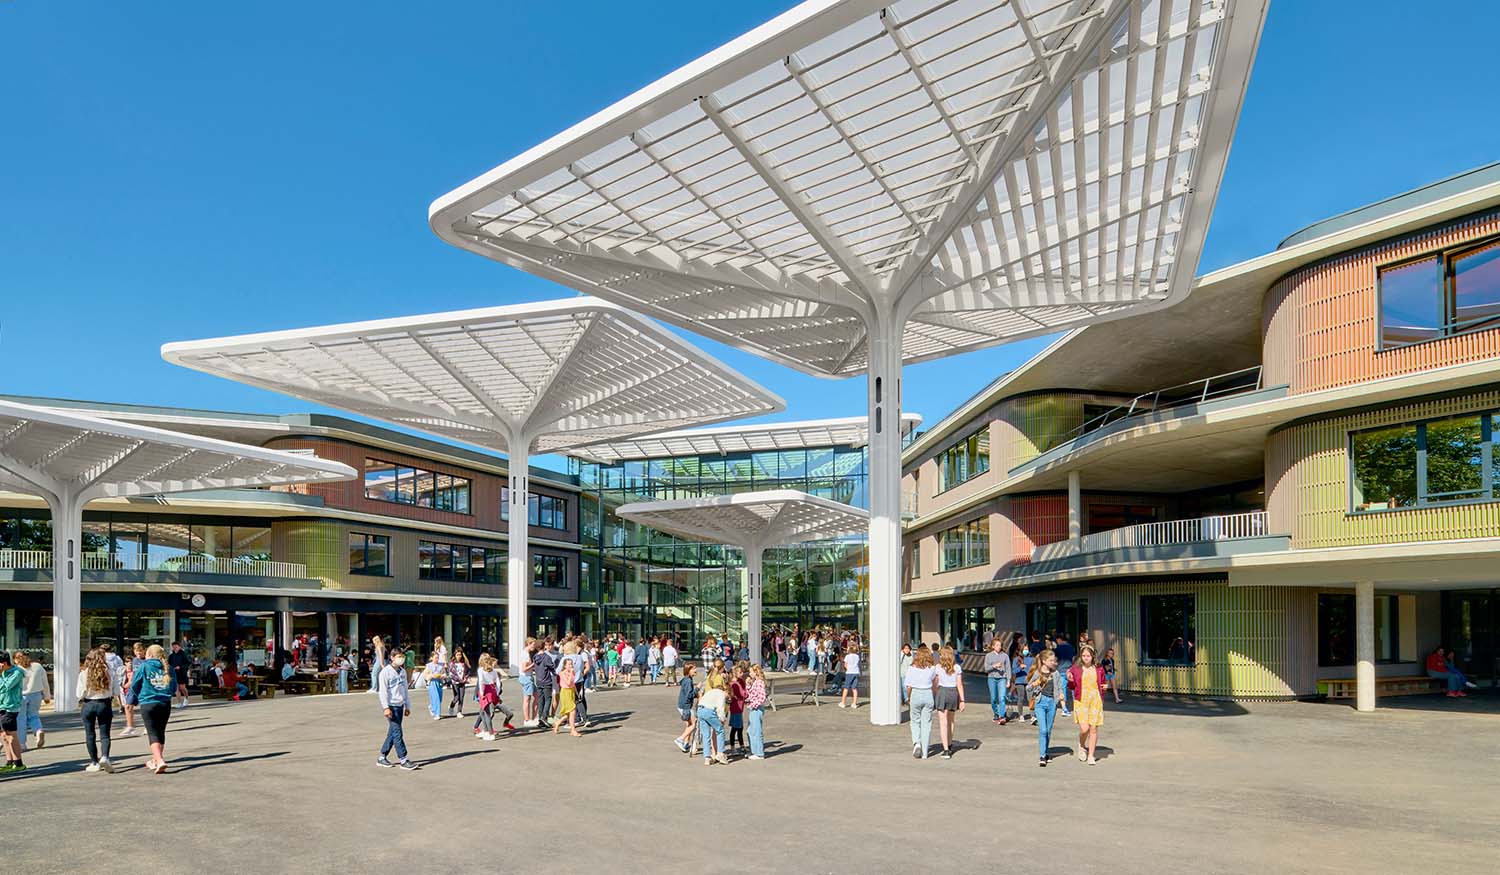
(794, 683)
(313, 684)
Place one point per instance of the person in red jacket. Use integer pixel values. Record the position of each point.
(1087, 683)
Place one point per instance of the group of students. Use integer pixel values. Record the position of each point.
(1047, 678)
(393, 684)
(813, 651)
(718, 713)
(149, 685)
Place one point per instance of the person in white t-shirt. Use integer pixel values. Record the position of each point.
(851, 674)
(669, 661)
(627, 662)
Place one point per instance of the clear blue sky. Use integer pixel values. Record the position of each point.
(183, 170)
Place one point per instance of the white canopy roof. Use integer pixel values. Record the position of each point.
(987, 169)
(751, 519)
(50, 451)
(846, 432)
(561, 373)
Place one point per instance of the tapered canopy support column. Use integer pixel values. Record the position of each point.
(518, 550)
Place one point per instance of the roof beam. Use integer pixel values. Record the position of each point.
(1002, 150)
(847, 261)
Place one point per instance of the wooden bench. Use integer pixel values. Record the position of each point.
(1346, 688)
(209, 692)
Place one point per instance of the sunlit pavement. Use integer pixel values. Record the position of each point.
(291, 783)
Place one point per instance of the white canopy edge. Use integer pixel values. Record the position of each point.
(764, 519)
(849, 431)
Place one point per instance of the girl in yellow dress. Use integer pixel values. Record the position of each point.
(567, 699)
(1086, 678)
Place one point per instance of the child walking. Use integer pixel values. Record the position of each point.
(713, 708)
(950, 697)
(687, 698)
(395, 700)
(1086, 682)
(487, 691)
(96, 690)
(1041, 690)
(152, 688)
(432, 675)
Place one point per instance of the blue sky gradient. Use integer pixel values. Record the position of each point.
(182, 170)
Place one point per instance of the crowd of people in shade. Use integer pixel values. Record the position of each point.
(1043, 676)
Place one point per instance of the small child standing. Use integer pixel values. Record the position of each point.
(737, 706)
(567, 699)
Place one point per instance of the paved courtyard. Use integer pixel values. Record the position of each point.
(290, 784)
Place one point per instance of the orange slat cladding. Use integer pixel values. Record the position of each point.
(1321, 322)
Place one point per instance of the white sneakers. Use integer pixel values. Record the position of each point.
(41, 739)
(91, 767)
(106, 766)
(460, 715)
(130, 730)
(754, 757)
(1083, 755)
(487, 736)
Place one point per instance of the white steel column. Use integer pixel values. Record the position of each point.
(753, 594)
(518, 560)
(67, 597)
(1364, 645)
(884, 400)
(1075, 508)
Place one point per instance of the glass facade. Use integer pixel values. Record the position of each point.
(647, 580)
(404, 484)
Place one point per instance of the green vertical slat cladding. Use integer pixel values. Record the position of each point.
(321, 547)
(1248, 645)
(1316, 461)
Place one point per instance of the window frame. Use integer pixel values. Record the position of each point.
(969, 445)
(540, 564)
(368, 537)
(1191, 640)
(969, 559)
(1446, 289)
(1489, 490)
(1393, 614)
(415, 477)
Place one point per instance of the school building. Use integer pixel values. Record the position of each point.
(1243, 493)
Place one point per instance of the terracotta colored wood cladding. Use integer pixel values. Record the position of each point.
(1322, 323)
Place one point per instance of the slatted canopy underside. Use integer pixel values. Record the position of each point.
(996, 169)
(751, 519)
(561, 373)
(45, 450)
(760, 437)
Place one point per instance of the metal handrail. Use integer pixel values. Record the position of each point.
(1226, 527)
(189, 563)
(1195, 392)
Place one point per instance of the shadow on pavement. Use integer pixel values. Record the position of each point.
(220, 760)
(1181, 706)
(777, 748)
(1481, 701)
(456, 756)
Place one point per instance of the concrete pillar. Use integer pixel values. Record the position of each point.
(1075, 508)
(518, 562)
(1364, 644)
(753, 554)
(67, 598)
(884, 407)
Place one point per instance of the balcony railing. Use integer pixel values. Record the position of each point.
(183, 563)
(1228, 527)
(1196, 392)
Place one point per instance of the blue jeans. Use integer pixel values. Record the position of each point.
(708, 721)
(1046, 712)
(756, 731)
(655, 671)
(393, 736)
(435, 697)
(1455, 679)
(241, 690)
(30, 718)
(921, 719)
(343, 682)
(997, 696)
(1063, 695)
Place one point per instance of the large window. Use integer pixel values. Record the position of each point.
(966, 459)
(546, 511)
(549, 572)
(1336, 635)
(1440, 295)
(439, 561)
(964, 545)
(369, 554)
(1065, 618)
(403, 484)
(1433, 462)
(969, 628)
(1167, 634)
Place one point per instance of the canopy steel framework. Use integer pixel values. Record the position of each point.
(547, 376)
(70, 460)
(849, 431)
(855, 185)
(753, 522)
